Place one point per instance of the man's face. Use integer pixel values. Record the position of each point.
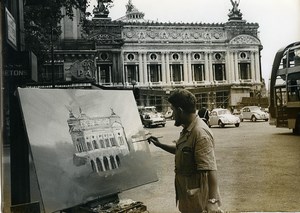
(177, 114)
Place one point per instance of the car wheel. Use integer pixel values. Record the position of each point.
(242, 120)
(237, 124)
(253, 118)
(163, 125)
(221, 124)
(266, 119)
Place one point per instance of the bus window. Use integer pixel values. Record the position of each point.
(280, 80)
(297, 57)
(291, 59)
(282, 62)
(293, 87)
(281, 97)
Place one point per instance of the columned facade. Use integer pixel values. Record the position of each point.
(220, 63)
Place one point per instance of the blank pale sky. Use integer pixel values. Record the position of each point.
(279, 20)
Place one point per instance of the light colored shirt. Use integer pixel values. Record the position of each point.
(193, 158)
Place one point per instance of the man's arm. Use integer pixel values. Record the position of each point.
(168, 148)
(213, 192)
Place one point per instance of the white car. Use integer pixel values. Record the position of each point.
(150, 117)
(222, 117)
(254, 113)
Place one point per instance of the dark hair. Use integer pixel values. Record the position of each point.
(184, 99)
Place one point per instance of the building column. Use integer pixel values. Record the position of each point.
(145, 68)
(163, 67)
(210, 67)
(227, 67)
(236, 67)
(110, 75)
(122, 59)
(185, 75)
(252, 66)
(189, 66)
(125, 75)
(257, 67)
(206, 67)
(168, 74)
(141, 80)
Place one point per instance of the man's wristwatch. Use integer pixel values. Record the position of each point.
(213, 200)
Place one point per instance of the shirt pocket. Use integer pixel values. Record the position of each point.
(187, 160)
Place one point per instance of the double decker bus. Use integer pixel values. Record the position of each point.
(284, 88)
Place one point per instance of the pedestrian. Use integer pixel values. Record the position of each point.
(204, 114)
(196, 183)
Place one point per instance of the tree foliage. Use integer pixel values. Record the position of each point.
(41, 19)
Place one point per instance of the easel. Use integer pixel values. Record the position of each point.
(106, 204)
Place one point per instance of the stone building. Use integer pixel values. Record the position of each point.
(218, 62)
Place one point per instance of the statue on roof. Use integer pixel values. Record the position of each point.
(129, 6)
(101, 10)
(235, 5)
(235, 13)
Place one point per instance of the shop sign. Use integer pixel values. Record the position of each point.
(11, 29)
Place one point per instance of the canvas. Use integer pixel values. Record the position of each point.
(85, 144)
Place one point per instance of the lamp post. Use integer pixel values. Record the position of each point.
(133, 82)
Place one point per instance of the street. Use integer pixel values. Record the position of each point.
(258, 170)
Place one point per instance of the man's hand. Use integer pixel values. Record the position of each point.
(154, 140)
(213, 208)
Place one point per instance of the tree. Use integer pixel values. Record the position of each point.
(41, 20)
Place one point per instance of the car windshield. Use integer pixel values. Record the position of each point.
(255, 109)
(223, 112)
(152, 109)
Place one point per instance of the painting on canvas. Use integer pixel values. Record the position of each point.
(85, 144)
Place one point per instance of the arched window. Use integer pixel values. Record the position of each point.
(102, 143)
(95, 144)
(107, 142)
(112, 162)
(113, 141)
(106, 164)
(121, 140)
(93, 166)
(99, 165)
(89, 146)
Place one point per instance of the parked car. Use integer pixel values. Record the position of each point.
(169, 113)
(222, 117)
(150, 117)
(254, 113)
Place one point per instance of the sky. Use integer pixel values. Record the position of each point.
(279, 20)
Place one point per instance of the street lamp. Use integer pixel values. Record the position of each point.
(133, 82)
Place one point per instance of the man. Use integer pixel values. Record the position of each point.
(204, 114)
(195, 165)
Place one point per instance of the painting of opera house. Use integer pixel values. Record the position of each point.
(85, 144)
(98, 141)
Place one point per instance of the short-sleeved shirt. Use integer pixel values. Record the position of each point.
(193, 158)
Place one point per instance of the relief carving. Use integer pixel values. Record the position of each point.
(245, 39)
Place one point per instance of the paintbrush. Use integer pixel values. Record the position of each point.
(146, 139)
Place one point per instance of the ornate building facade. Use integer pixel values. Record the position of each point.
(218, 62)
(98, 141)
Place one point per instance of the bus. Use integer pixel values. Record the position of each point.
(284, 88)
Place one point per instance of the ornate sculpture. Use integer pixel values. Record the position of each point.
(235, 13)
(101, 11)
